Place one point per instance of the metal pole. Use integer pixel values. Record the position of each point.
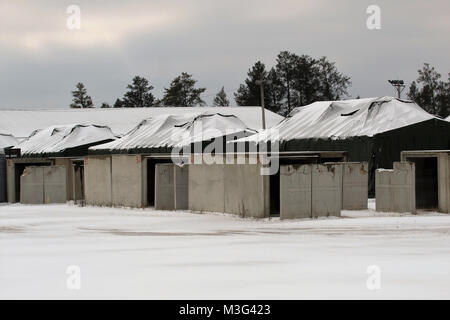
(261, 84)
(263, 108)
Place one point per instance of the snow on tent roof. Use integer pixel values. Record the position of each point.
(176, 130)
(346, 118)
(21, 123)
(7, 140)
(56, 139)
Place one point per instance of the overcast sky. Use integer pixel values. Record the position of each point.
(41, 60)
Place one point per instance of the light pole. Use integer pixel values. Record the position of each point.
(399, 85)
(261, 85)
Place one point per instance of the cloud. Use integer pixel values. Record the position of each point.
(29, 26)
(216, 41)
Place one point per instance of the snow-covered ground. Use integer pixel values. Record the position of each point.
(130, 253)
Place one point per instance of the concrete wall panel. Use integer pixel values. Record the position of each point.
(97, 180)
(245, 190)
(67, 163)
(181, 187)
(395, 189)
(355, 178)
(206, 188)
(237, 189)
(3, 196)
(55, 184)
(32, 185)
(164, 186)
(295, 191)
(383, 194)
(326, 190)
(10, 182)
(127, 181)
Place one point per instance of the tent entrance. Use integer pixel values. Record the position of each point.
(426, 182)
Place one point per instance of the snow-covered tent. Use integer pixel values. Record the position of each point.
(371, 129)
(21, 123)
(64, 140)
(163, 132)
(135, 156)
(7, 140)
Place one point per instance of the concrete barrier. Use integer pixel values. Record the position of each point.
(395, 189)
(230, 188)
(181, 187)
(115, 180)
(295, 191)
(171, 187)
(355, 178)
(43, 184)
(164, 186)
(32, 185)
(55, 184)
(97, 180)
(246, 191)
(326, 190)
(3, 197)
(67, 163)
(128, 181)
(206, 188)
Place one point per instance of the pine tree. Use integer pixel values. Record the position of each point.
(296, 81)
(333, 84)
(138, 94)
(105, 105)
(221, 99)
(80, 98)
(306, 82)
(249, 93)
(118, 103)
(182, 92)
(285, 72)
(429, 92)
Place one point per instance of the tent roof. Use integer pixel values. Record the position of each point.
(21, 123)
(346, 118)
(176, 131)
(56, 139)
(7, 140)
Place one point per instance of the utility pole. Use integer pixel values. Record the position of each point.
(399, 85)
(261, 85)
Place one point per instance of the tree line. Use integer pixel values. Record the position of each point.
(294, 80)
(430, 92)
(181, 92)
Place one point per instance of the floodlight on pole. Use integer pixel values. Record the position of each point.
(399, 85)
(261, 86)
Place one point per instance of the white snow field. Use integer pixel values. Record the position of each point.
(147, 254)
